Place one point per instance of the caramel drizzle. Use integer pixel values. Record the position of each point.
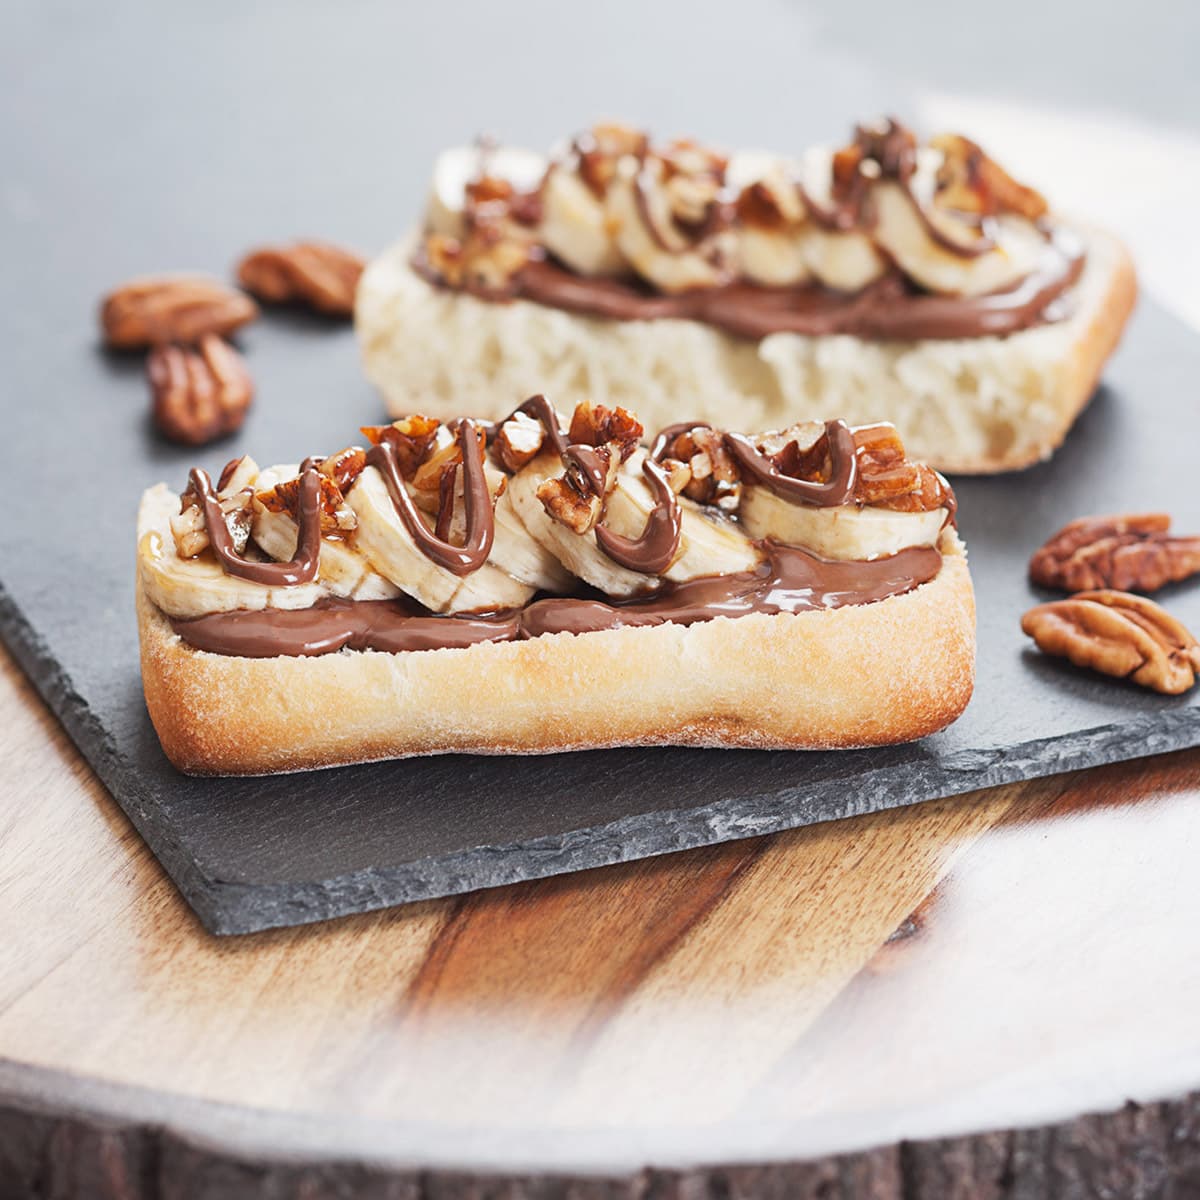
(843, 475)
(481, 526)
(303, 566)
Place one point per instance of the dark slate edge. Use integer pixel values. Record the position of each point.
(65, 1137)
(228, 907)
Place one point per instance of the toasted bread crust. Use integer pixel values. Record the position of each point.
(769, 682)
(969, 406)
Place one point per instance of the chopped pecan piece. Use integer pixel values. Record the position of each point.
(317, 274)
(969, 181)
(887, 478)
(700, 467)
(411, 437)
(518, 442)
(336, 514)
(199, 394)
(892, 147)
(344, 467)
(487, 260)
(1131, 553)
(601, 149)
(1118, 634)
(568, 506)
(172, 308)
(769, 203)
(596, 425)
(446, 456)
(576, 498)
(235, 490)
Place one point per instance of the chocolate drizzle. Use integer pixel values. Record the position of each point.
(303, 566)
(889, 308)
(653, 551)
(837, 489)
(789, 580)
(540, 409)
(481, 526)
(592, 464)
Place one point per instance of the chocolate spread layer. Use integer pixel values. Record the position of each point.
(789, 580)
(891, 308)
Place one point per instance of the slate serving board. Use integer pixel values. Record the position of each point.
(253, 853)
(165, 137)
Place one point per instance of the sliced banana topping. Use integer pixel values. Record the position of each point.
(465, 523)
(709, 543)
(192, 587)
(846, 531)
(661, 217)
(456, 169)
(771, 216)
(679, 217)
(845, 261)
(577, 552)
(394, 554)
(906, 237)
(342, 567)
(575, 226)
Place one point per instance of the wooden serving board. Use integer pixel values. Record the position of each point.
(252, 853)
(255, 853)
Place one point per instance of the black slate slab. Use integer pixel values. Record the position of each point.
(160, 138)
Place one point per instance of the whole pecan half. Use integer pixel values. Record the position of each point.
(200, 393)
(317, 274)
(1118, 634)
(172, 308)
(1131, 553)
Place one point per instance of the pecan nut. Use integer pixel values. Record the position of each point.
(1118, 634)
(518, 442)
(172, 308)
(1130, 553)
(199, 394)
(316, 274)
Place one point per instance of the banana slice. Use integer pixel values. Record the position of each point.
(842, 532)
(676, 266)
(847, 261)
(457, 167)
(771, 251)
(904, 236)
(342, 568)
(578, 553)
(513, 550)
(383, 538)
(707, 545)
(520, 555)
(191, 587)
(575, 228)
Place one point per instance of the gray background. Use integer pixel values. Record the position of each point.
(150, 137)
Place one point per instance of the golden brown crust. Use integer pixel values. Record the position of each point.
(769, 682)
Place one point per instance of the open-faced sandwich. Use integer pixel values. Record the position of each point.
(886, 279)
(539, 585)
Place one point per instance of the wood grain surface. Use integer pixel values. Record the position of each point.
(1011, 957)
